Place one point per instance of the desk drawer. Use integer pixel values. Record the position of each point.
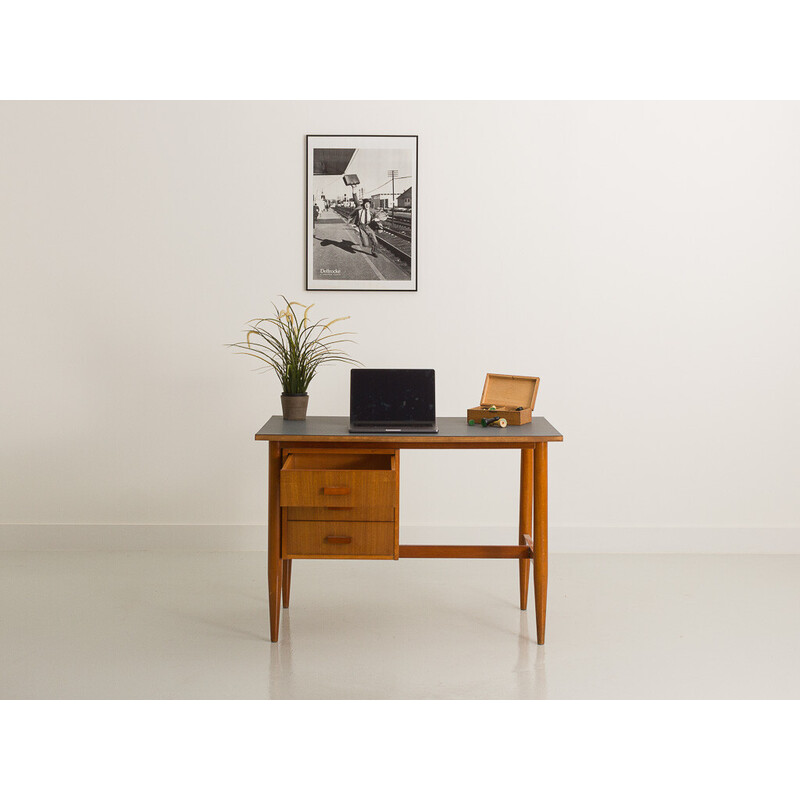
(338, 540)
(339, 480)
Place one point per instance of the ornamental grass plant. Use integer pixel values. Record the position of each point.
(294, 346)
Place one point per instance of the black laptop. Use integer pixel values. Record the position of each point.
(392, 401)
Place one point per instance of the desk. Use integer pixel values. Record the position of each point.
(333, 494)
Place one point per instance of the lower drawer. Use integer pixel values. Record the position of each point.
(338, 539)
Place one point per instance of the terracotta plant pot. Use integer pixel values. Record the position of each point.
(294, 406)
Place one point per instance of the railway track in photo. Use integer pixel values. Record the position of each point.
(395, 236)
(399, 245)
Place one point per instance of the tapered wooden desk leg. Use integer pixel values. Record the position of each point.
(287, 580)
(540, 536)
(525, 501)
(274, 567)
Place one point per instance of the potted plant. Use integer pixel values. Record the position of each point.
(294, 347)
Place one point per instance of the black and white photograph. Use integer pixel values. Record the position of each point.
(361, 205)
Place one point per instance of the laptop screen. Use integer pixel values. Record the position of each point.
(392, 396)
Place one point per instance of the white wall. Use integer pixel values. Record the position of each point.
(642, 258)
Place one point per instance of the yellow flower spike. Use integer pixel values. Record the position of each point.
(338, 319)
(305, 316)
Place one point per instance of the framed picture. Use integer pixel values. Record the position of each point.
(361, 213)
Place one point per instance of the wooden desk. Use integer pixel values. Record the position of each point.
(341, 498)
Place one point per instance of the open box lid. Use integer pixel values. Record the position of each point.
(509, 390)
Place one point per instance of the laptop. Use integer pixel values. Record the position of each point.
(393, 401)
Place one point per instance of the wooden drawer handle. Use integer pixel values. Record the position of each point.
(333, 539)
(335, 490)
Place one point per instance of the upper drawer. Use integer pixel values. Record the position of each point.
(339, 479)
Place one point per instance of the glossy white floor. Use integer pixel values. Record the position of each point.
(184, 625)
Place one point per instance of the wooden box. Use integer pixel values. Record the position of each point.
(508, 393)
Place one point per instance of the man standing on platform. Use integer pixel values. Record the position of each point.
(362, 218)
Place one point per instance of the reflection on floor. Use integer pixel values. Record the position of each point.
(194, 625)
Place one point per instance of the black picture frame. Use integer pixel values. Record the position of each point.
(342, 171)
